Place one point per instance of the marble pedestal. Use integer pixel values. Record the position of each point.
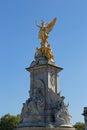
(45, 109)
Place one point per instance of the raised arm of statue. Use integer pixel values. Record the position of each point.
(38, 25)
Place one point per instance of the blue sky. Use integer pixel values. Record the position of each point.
(18, 42)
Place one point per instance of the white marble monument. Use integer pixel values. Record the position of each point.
(45, 108)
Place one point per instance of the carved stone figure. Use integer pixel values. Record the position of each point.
(34, 106)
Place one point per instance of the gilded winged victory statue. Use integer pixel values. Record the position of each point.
(45, 48)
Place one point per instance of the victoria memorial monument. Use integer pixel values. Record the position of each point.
(45, 109)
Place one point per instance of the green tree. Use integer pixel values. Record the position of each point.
(8, 122)
(79, 126)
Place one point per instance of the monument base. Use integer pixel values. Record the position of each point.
(45, 128)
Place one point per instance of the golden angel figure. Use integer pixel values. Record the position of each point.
(45, 28)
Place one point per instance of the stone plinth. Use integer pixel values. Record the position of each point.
(45, 105)
(45, 128)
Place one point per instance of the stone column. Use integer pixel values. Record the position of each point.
(85, 117)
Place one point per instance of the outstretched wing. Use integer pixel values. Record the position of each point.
(50, 25)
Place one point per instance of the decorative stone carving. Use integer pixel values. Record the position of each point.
(62, 115)
(52, 79)
(33, 108)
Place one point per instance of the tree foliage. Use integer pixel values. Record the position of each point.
(79, 126)
(8, 122)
